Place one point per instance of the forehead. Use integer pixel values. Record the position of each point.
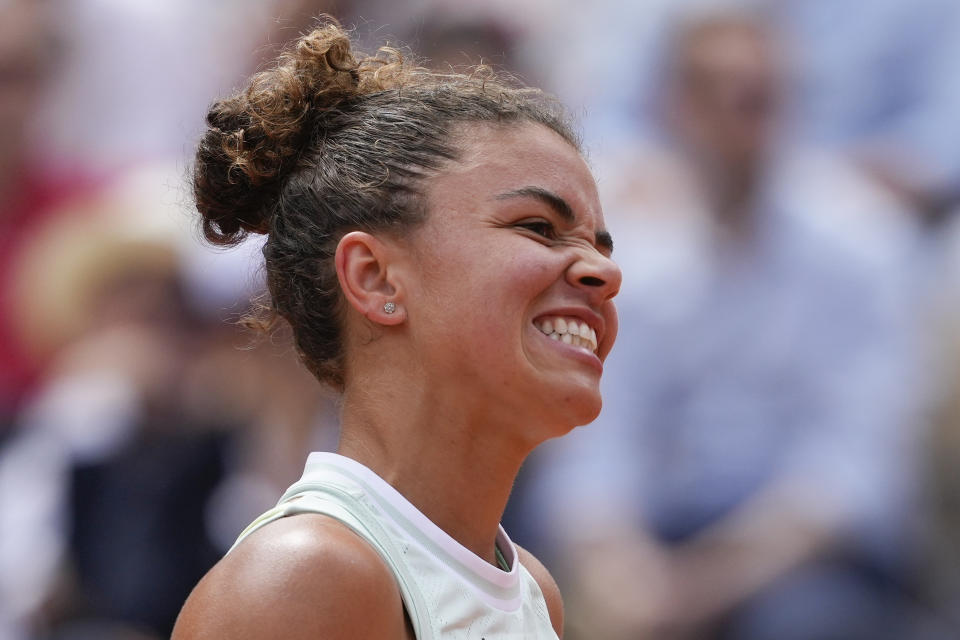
(506, 158)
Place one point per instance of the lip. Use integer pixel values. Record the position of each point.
(592, 360)
(595, 322)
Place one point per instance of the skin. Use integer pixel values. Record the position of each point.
(445, 397)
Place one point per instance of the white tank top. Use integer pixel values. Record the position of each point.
(448, 591)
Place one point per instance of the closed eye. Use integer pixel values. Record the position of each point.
(543, 228)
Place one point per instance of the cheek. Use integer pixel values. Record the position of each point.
(534, 268)
(495, 275)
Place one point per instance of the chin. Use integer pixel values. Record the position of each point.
(560, 407)
(588, 416)
(578, 411)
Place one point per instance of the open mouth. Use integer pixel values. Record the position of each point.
(572, 331)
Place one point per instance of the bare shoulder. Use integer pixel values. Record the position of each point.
(305, 576)
(551, 592)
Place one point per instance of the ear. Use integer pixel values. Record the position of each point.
(362, 268)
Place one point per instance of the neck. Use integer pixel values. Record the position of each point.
(452, 463)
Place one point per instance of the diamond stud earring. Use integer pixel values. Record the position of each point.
(389, 307)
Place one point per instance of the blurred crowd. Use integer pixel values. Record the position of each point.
(778, 456)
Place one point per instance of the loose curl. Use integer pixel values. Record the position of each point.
(329, 141)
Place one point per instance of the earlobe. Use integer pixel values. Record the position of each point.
(362, 263)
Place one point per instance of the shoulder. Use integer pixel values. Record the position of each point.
(305, 576)
(551, 592)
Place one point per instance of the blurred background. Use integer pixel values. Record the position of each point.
(779, 452)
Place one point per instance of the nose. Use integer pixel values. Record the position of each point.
(597, 274)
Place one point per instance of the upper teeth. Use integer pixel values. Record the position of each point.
(570, 331)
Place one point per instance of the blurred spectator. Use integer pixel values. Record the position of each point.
(751, 471)
(32, 188)
(872, 80)
(155, 438)
(941, 523)
(876, 79)
(141, 74)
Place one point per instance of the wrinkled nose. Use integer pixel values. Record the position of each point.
(597, 274)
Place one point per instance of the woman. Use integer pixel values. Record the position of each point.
(437, 245)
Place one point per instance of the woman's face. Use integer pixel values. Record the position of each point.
(509, 302)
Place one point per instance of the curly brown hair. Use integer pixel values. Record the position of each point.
(330, 141)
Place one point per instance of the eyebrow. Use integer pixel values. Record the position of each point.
(560, 207)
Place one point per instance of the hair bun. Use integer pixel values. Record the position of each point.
(254, 138)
